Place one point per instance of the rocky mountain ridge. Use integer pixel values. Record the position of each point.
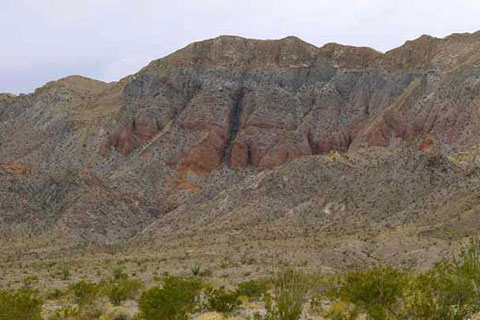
(236, 136)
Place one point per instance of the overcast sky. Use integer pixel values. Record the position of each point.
(43, 40)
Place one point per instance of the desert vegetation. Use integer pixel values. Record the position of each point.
(448, 291)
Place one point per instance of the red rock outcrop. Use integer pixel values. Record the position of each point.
(14, 168)
(296, 99)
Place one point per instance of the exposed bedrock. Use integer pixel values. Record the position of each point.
(250, 103)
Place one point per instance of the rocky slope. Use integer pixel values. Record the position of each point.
(258, 139)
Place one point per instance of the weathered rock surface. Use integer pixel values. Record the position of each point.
(273, 101)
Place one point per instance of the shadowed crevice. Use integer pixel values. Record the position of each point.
(312, 145)
(236, 111)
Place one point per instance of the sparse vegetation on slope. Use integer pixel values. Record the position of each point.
(448, 291)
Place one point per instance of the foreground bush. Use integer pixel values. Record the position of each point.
(77, 313)
(118, 313)
(221, 300)
(22, 304)
(253, 288)
(376, 292)
(290, 291)
(85, 292)
(175, 300)
(449, 291)
(120, 290)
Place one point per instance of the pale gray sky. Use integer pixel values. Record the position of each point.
(45, 40)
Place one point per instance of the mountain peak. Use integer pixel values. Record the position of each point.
(428, 52)
(6, 95)
(346, 56)
(73, 82)
(233, 51)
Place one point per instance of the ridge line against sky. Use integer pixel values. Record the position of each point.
(45, 40)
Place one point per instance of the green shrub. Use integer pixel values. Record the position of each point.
(253, 288)
(173, 301)
(22, 304)
(30, 282)
(195, 269)
(118, 291)
(342, 310)
(77, 313)
(290, 291)
(85, 292)
(118, 313)
(427, 298)
(450, 290)
(118, 273)
(378, 291)
(221, 300)
(54, 294)
(65, 272)
(66, 312)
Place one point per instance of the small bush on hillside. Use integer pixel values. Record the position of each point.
(54, 294)
(22, 304)
(85, 292)
(118, 273)
(30, 282)
(342, 310)
(221, 300)
(76, 313)
(195, 269)
(377, 292)
(427, 298)
(450, 290)
(120, 290)
(66, 312)
(65, 272)
(118, 313)
(290, 291)
(175, 300)
(253, 288)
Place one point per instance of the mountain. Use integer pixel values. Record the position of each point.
(336, 151)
